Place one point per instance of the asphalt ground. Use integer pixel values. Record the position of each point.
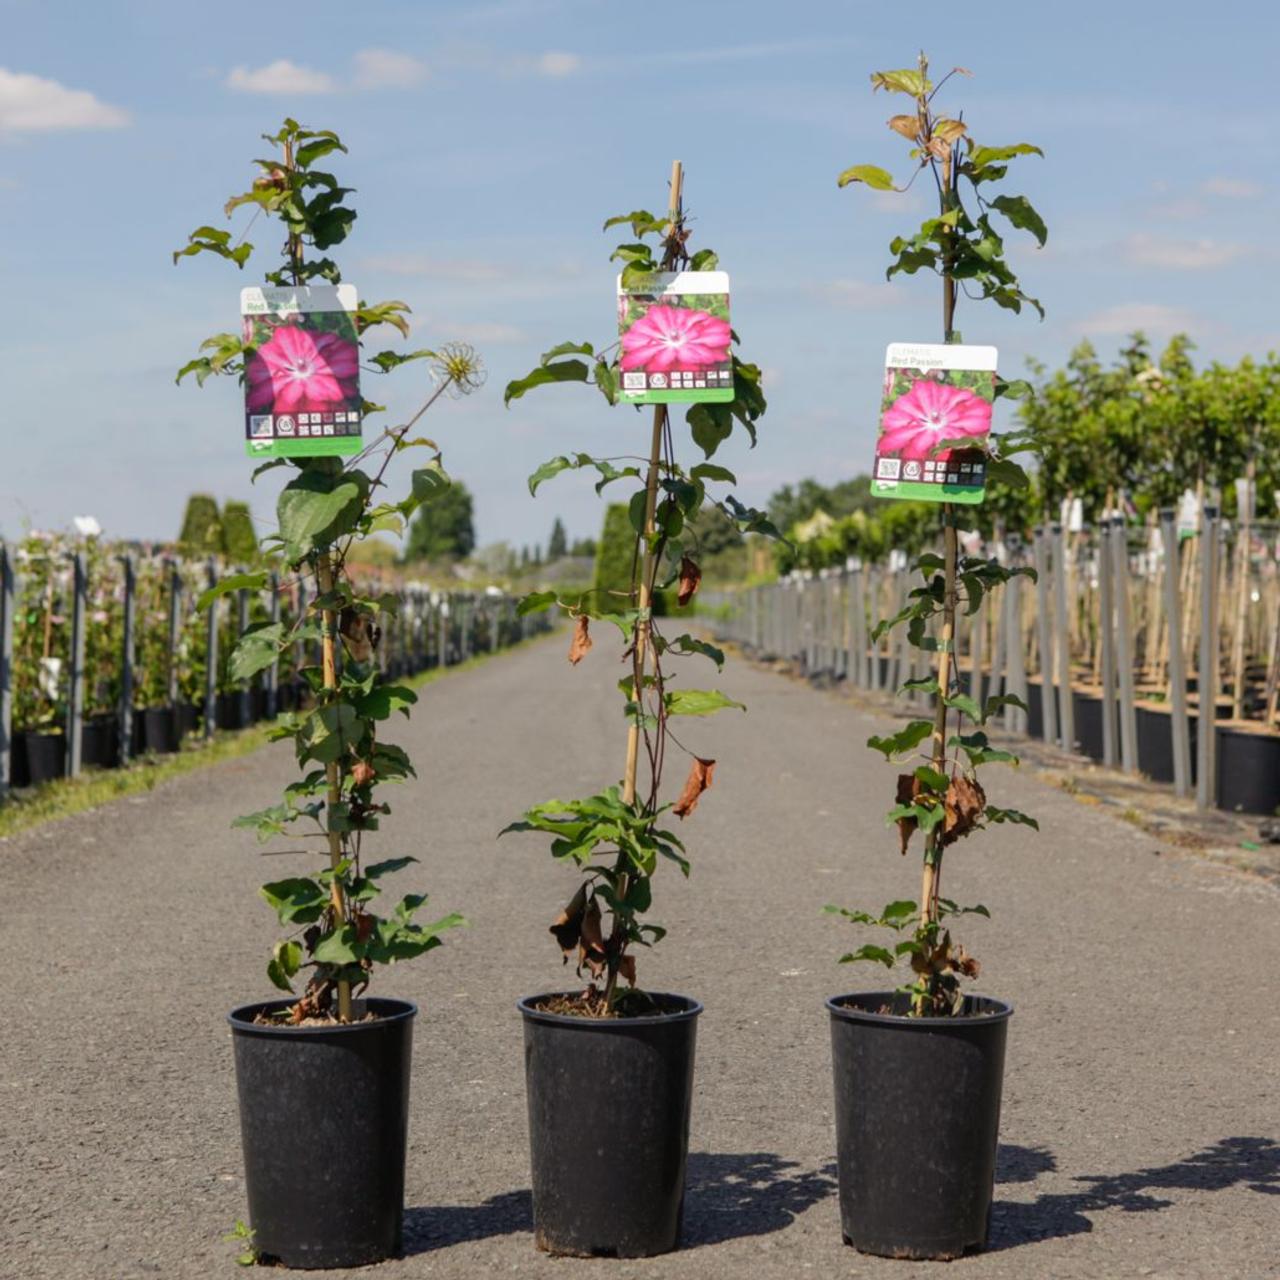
(1142, 1091)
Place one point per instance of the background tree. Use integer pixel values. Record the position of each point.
(583, 547)
(445, 528)
(201, 526)
(615, 554)
(239, 541)
(558, 543)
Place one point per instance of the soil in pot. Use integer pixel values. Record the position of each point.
(917, 1119)
(609, 1103)
(324, 1115)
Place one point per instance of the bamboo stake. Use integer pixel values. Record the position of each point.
(650, 507)
(329, 667)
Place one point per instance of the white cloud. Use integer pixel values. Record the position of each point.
(1231, 188)
(281, 76)
(421, 264)
(387, 69)
(859, 294)
(32, 104)
(1151, 317)
(557, 64)
(1180, 255)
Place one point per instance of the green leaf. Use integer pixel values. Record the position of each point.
(995, 814)
(698, 702)
(876, 178)
(549, 469)
(879, 955)
(284, 963)
(328, 731)
(1005, 471)
(906, 739)
(711, 425)
(231, 583)
(337, 948)
(1019, 211)
(535, 602)
(298, 900)
(607, 380)
(902, 909)
(561, 371)
(317, 507)
(256, 650)
(687, 644)
(966, 704)
(709, 471)
(384, 699)
(924, 684)
(932, 778)
(908, 81)
(980, 157)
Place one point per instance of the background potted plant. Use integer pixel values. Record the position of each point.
(324, 1074)
(918, 1070)
(609, 1065)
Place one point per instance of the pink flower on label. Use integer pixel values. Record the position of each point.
(666, 338)
(930, 413)
(301, 372)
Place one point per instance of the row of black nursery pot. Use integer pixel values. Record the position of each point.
(917, 1115)
(1247, 755)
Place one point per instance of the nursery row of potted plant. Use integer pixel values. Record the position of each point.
(323, 1072)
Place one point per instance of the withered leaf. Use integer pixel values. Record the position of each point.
(699, 780)
(359, 635)
(690, 576)
(908, 790)
(627, 969)
(908, 126)
(364, 923)
(940, 148)
(581, 641)
(362, 773)
(568, 924)
(963, 806)
(591, 944)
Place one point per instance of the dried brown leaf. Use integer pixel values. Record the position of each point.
(699, 780)
(627, 969)
(362, 773)
(690, 576)
(581, 641)
(908, 790)
(568, 924)
(591, 944)
(359, 635)
(908, 126)
(963, 807)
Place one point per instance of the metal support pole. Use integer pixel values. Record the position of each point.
(1178, 723)
(1106, 629)
(175, 630)
(211, 658)
(7, 595)
(1207, 679)
(75, 700)
(1061, 622)
(127, 656)
(1048, 701)
(1124, 646)
(1015, 670)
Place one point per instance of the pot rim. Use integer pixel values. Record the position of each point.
(1002, 1013)
(241, 1019)
(687, 1014)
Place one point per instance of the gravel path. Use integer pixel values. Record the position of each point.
(1142, 1098)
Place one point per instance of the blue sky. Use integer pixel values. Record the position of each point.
(490, 139)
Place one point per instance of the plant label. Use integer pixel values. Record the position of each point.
(675, 338)
(935, 417)
(301, 371)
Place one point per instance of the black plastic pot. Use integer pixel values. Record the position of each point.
(609, 1102)
(100, 741)
(1088, 723)
(1155, 743)
(324, 1117)
(188, 714)
(917, 1117)
(37, 758)
(1248, 770)
(230, 711)
(159, 729)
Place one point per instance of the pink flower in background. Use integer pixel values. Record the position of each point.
(930, 413)
(298, 371)
(667, 338)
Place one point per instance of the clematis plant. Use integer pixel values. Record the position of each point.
(325, 507)
(616, 837)
(940, 795)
